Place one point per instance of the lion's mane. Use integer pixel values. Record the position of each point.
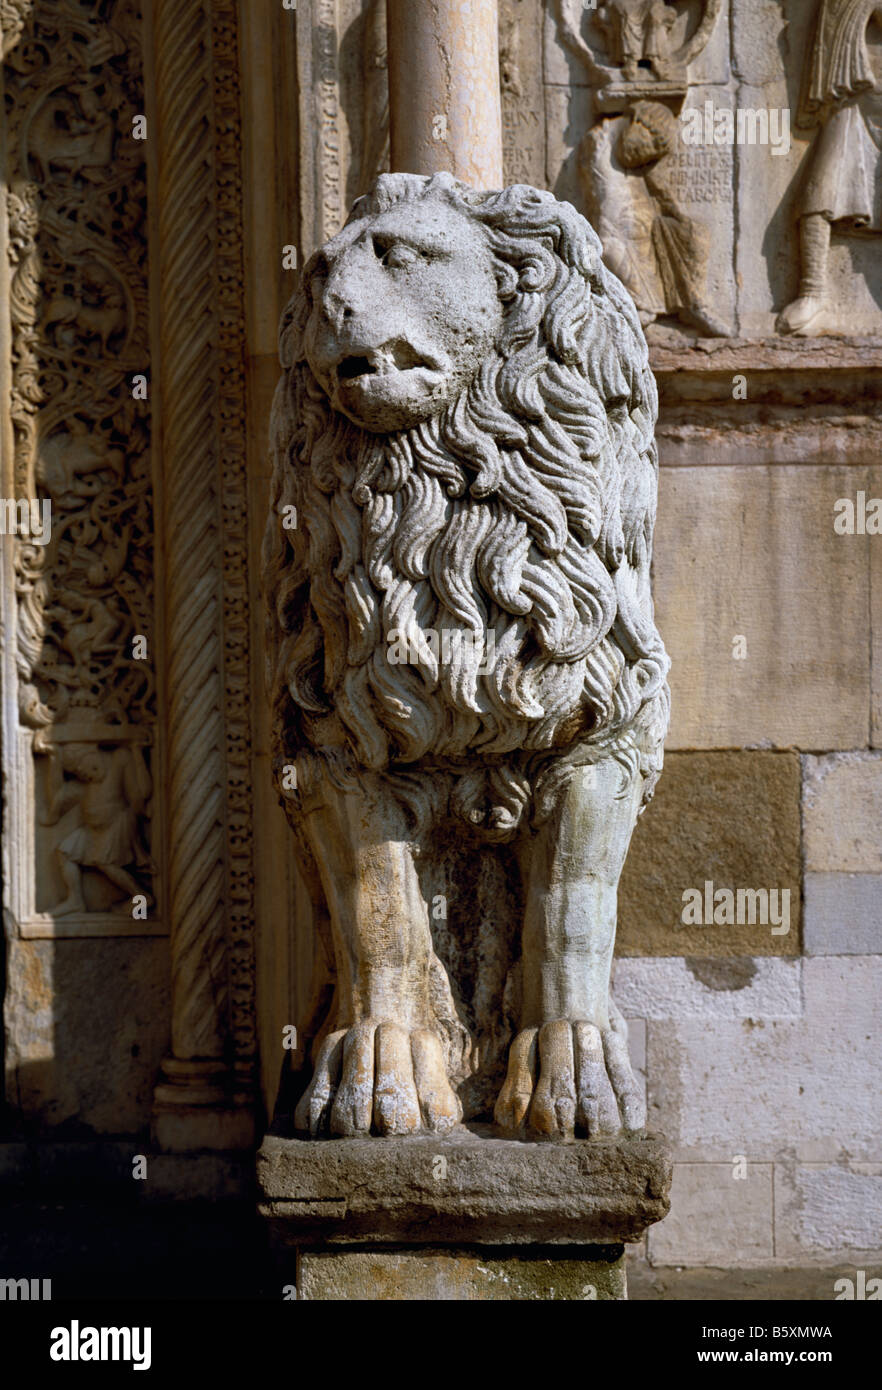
(524, 510)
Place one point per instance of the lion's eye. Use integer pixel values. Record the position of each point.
(395, 255)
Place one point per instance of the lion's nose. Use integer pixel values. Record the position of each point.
(351, 291)
(337, 308)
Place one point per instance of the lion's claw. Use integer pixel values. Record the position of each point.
(568, 1078)
(380, 1077)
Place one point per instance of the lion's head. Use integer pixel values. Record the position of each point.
(403, 312)
(463, 448)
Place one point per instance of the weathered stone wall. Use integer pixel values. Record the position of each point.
(760, 1045)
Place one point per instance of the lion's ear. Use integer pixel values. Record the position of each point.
(292, 328)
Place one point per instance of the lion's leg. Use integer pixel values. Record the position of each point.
(569, 1066)
(383, 1066)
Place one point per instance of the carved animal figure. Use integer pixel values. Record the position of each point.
(103, 321)
(461, 635)
(73, 134)
(65, 459)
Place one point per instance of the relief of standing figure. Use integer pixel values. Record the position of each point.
(842, 98)
(111, 790)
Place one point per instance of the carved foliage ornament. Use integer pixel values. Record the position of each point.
(78, 252)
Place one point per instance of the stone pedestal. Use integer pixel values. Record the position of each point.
(467, 1216)
(472, 1274)
(199, 1105)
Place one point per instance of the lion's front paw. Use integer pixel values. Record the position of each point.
(567, 1078)
(379, 1076)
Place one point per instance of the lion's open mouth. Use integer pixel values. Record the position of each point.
(355, 366)
(395, 356)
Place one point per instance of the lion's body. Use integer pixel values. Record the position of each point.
(462, 608)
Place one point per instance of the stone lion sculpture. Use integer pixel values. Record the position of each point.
(469, 692)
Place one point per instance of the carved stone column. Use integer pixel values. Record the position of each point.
(444, 71)
(206, 1098)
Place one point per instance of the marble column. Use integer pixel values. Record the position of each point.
(444, 89)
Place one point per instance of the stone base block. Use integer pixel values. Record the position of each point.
(186, 1129)
(475, 1275)
(467, 1188)
(199, 1105)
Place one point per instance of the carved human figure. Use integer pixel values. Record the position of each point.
(626, 166)
(111, 789)
(464, 432)
(614, 38)
(638, 30)
(86, 626)
(842, 192)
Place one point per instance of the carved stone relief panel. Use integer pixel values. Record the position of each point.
(108, 828)
(80, 753)
(754, 212)
(620, 77)
(814, 258)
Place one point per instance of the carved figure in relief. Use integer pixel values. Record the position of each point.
(842, 192)
(637, 43)
(627, 162)
(464, 431)
(66, 458)
(97, 310)
(111, 790)
(86, 626)
(638, 30)
(73, 133)
(660, 254)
